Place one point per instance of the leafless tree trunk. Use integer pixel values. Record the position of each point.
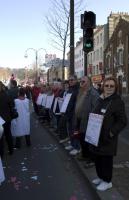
(58, 21)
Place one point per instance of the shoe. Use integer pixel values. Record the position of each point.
(104, 186)
(74, 152)
(64, 140)
(69, 147)
(96, 181)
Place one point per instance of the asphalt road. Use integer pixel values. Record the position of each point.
(43, 171)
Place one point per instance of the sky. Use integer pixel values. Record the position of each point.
(22, 26)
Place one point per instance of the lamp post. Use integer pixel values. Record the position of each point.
(36, 60)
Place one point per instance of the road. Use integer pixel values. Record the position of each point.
(43, 171)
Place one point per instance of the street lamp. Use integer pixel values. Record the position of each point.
(36, 60)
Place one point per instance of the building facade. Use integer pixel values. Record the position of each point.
(116, 56)
(95, 59)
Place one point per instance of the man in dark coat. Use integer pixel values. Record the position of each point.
(13, 90)
(70, 113)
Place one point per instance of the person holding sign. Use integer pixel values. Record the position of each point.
(86, 100)
(70, 114)
(112, 108)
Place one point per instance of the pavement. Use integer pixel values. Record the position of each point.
(120, 189)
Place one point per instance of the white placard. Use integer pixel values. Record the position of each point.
(2, 176)
(44, 99)
(1, 121)
(39, 99)
(94, 128)
(65, 103)
(55, 104)
(49, 101)
(60, 102)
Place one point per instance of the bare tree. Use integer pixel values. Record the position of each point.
(58, 21)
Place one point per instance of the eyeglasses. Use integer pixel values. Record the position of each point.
(109, 86)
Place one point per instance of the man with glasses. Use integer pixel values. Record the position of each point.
(70, 113)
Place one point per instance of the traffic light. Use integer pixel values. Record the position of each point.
(89, 19)
(88, 23)
(88, 40)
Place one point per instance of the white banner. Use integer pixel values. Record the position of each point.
(49, 101)
(60, 102)
(94, 128)
(65, 103)
(44, 99)
(39, 99)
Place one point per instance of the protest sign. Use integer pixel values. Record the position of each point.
(49, 101)
(94, 128)
(65, 103)
(44, 100)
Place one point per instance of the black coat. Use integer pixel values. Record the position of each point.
(114, 121)
(5, 106)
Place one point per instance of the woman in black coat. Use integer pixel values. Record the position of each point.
(112, 107)
(5, 112)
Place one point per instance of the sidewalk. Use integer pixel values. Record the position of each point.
(120, 189)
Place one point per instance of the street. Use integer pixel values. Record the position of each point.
(43, 171)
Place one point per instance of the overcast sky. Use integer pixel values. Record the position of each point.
(22, 27)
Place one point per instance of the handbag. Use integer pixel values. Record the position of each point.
(14, 113)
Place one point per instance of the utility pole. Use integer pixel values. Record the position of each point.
(71, 37)
(85, 63)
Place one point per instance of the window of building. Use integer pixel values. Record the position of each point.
(101, 37)
(82, 62)
(97, 39)
(120, 57)
(101, 53)
(97, 54)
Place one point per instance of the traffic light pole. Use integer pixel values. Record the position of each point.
(85, 63)
(71, 37)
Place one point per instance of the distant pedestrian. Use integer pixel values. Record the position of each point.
(21, 125)
(112, 107)
(13, 90)
(35, 93)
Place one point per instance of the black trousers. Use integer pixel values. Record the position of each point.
(85, 151)
(104, 167)
(8, 137)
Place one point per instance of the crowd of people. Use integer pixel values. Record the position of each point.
(80, 99)
(15, 119)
